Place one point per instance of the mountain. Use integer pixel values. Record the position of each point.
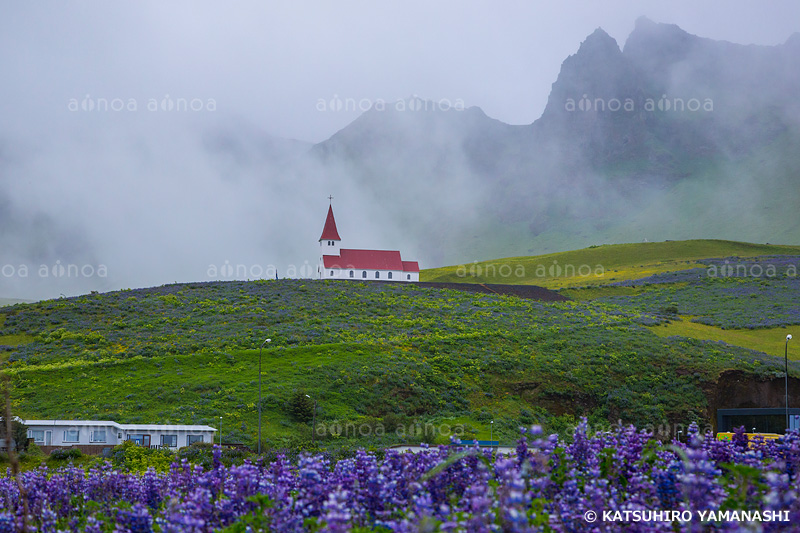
(687, 97)
(671, 136)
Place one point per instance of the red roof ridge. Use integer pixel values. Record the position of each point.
(369, 260)
(368, 250)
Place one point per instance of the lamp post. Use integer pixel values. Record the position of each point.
(491, 432)
(220, 431)
(786, 375)
(259, 392)
(313, 422)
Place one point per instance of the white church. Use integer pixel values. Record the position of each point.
(343, 263)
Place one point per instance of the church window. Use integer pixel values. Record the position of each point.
(364, 274)
(389, 275)
(351, 273)
(331, 272)
(408, 276)
(377, 274)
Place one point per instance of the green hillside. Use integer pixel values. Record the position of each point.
(599, 265)
(619, 264)
(386, 361)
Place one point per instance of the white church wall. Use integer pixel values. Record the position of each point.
(361, 274)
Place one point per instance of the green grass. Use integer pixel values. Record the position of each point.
(398, 354)
(195, 388)
(198, 388)
(15, 340)
(600, 265)
(767, 340)
(368, 353)
(586, 294)
(11, 339)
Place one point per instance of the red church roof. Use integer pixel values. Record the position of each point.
(370, 260)
(410, 266)
(329, 232)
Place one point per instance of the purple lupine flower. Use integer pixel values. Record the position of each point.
(336, 514)
(93, 525)
(550, 483)
(8, 522)
(137, 520)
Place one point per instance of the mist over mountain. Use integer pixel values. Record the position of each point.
(670, 136)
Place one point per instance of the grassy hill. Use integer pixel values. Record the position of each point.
(614, 266)
(386, 361)
(600, 265)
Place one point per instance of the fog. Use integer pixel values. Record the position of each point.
(151, 143)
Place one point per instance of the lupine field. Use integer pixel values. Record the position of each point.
(603, 481)
(731, 293)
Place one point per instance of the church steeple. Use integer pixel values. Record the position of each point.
(329, 241)
(329, 232)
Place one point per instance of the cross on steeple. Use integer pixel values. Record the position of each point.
(330, 199)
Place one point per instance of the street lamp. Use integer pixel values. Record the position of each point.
(491, 432)
(220, 431)
(259, 393)
(786, 376)
(313, 422)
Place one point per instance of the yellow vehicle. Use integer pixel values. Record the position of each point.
(751, 437)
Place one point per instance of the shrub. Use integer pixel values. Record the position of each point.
(671, 309)
(33, 453)
(132, 457)
(391, 422)
(62, 454)
(300, 406)
(19, 433)
(202, 453)
(34, 450)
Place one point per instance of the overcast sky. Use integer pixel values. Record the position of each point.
(281, 64)
(136, 187)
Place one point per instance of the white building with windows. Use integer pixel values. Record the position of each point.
(344, 263)
(81, 433)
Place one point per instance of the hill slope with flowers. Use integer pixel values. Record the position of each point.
(381, 360)
(604, 264)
